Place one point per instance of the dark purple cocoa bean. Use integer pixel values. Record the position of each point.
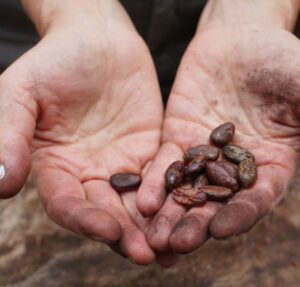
(247, 173)
(236, 153)
(217, 193)
(174, 174)
(210, 152)
(200, 181)
(125, 181)
(223, 173)
(231, 168)
(222, 135)
(195, 166)
(188, 179)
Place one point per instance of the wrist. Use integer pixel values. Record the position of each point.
(78, 15)
(264, 13)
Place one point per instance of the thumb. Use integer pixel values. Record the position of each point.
(18, 112)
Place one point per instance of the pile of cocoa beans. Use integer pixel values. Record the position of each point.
(208, 172)
(211, 172)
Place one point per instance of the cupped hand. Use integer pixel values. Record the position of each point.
(83, 104)
(246, 75)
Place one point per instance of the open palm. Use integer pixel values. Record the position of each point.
(85, 109)
(248, 76)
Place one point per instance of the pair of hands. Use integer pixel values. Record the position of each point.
(85, 104)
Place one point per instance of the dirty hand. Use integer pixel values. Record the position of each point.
(82, 105)
(242, 66)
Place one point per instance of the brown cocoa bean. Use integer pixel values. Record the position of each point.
(210, 152)
(186, 185)
(223, 173)
(236, 153)
(184, 192)
(247, 173)
(187, 195)
(125, 181)
(200, 181)
(195, 166)
(174, 174)
(222, 135)
(200, 198)
(182, 199)
(217, 193)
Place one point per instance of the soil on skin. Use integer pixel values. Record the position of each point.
(34, 252)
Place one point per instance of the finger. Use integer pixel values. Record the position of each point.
(129, 202)
(167, 260)
(152, 192)
(163, 223)
(133, 241)
(250, 205)
(18, 113)
(192, 230)
(63, 198)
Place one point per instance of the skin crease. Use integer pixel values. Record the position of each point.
(78, 113)
(252, 80)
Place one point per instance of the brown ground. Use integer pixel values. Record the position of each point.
(36, 253)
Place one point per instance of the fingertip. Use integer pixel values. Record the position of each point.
(233, 219)
(148, 204)
(181, 245)
(188, 235)
(81, 217)
(98, 225)
(14, 170)
(138, 251)
(18, 120)
(162, 225)
(158, 234)
(158, 243)
(167, 260)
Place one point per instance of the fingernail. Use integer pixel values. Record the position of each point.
(2, 171)
(101, 239)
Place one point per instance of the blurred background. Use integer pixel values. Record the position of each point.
(36, 252)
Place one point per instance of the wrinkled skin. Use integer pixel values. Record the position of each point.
(78, 109)
(251, 78)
